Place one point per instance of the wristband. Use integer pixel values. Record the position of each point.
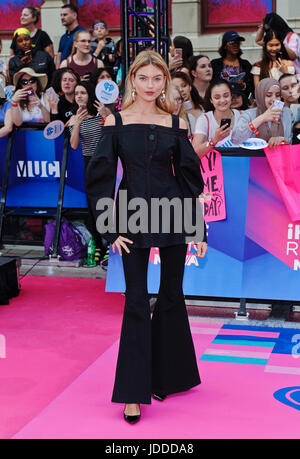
(103, 120)
(253, 129)
(211, 143)
(13, 104)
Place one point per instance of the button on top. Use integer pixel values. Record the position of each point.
(152, 126)
(151, 137)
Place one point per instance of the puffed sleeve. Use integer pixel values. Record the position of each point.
(100, 182)
(188, 174)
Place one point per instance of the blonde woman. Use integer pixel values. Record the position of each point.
(81, 60)
(155, 356)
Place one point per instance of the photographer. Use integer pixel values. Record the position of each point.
(27, 56)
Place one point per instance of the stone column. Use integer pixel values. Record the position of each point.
(51, 23)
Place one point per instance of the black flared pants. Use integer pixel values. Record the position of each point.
(155, 356)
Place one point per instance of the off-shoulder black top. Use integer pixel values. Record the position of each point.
(158, 162)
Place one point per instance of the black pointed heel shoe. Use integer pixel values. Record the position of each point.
(159, 397)
(132, 419)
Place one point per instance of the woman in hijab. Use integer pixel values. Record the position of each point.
(265, 121)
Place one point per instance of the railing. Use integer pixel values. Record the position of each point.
(36, 173)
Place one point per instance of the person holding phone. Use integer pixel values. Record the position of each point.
(29, 102)
(28, 56)
(289, 38)
(81, 60)
(275, 61)
(39, 38)
(214, 128)
(270, 120)
(85, 127)
(181, 50)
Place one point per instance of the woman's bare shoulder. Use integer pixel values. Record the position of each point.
(110, 120)
(182, 123)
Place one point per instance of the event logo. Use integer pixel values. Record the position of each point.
(293, 244)
(38, 169)
(290, 396)
(2, 347)
(190, 259)
(296, 348)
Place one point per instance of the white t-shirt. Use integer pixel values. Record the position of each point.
(292, 41)
(274, 72)
(207, 125)
(35, 114)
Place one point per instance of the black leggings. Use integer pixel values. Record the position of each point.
(155, 356)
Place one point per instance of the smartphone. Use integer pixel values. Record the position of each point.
(82, 106)
(225, 121)
(30, 92)
(28, 52)
(279, 55)
(278, 104)
(178, 52)
(50, 92)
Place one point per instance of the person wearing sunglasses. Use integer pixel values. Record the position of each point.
(28, 56)
(81, 60)
(29, 104)
(230, 66)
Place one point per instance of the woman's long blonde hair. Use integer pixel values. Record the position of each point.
(145, 58)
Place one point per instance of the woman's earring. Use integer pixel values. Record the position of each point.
(133, 94)
(163, 95)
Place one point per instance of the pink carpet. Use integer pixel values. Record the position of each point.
(61, 348)
(53, 331)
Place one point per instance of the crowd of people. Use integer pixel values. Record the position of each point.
(224, 101)
(207, 91)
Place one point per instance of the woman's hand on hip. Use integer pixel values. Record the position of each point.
(201, 249)
(121, 243)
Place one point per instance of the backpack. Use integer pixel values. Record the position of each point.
(70, 246)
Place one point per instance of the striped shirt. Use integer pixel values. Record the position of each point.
(89, 134)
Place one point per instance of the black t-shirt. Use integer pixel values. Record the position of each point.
(64, 110)
(41, 62)
(39, 42)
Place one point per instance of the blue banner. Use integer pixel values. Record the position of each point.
(35, 171)
(243, 258)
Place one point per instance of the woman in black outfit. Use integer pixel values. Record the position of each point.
(29, 56)
(155, 356)
(230, 66)
(39, 38)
